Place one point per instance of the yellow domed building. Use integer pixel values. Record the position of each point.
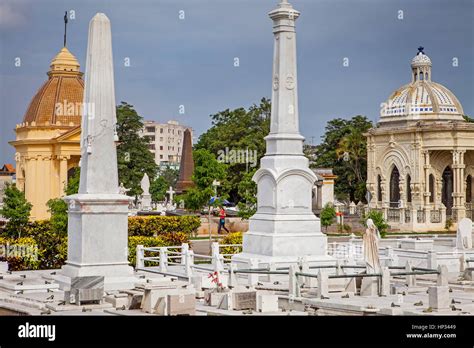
(48, 140)
(420, 157)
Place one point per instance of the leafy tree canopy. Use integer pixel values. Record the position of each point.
(16, 209)
(238, 130)
(344, 148)
(133, 155)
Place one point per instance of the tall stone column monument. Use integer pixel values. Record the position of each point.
(98, 214)
(284, 227)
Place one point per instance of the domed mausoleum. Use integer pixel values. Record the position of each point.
(421, 155)
(48, 140)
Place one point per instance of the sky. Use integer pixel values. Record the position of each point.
(182, 53)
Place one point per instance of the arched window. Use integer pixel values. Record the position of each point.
(432, 188)
(426, 76)
(379, 188)
(408, 188)
(469, 189)
(394, 187)
(421, 76)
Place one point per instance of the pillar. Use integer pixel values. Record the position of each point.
(62, 174)
(458, 184)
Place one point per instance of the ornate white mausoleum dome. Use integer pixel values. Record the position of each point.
(421, 99)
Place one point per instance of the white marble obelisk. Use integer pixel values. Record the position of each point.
(284, 227)
(98, 214)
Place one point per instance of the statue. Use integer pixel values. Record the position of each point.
(122, 189)
(146, 197)
(371, 248)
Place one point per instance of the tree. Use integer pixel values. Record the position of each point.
(328, 215)
(58, 207)
(234, 138)
(158, 188)
(379, 221)
(206, 170)
(72, 186)
(133, 155)
(170, 175)
(468, 119)
(16, 209)
(248, 192)
(344, 148)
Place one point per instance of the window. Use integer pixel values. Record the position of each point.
(161, 147)
(469, 189)
(161, 130)
(150, 129)
(151, 137)
(161, 138)
(161, 156)
(151, 146)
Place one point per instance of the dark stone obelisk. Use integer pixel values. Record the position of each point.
(186, 167)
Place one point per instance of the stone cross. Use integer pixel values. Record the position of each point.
(171, 192)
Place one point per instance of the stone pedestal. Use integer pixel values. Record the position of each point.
(96, 243)
(438, 297)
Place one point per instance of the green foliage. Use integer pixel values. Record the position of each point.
(160, 225)
(170, 175)
(248, 193)
(232, 238)
(20, 253)
(328, 215)
(16, 209)
(73, 183)
(158, 188)
(58, 209)
(52, 244)
(206, 170)
(344, 148)
(448, 224)
(379, 221)
(238, 129)
(133, 156)
(468, 119)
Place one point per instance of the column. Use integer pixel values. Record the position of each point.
(427, 167)
(458, 183)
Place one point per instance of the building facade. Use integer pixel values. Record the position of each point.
(421, 155)
(7, 172)
(166, 141)
(47, 142)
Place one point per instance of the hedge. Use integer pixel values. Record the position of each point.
(232, 238)
(159, 225)
(20, 253)
(51, 247)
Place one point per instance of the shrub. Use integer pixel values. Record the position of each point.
(27, 258)
(52, 245)
(58, 209)
(328, 215)
(448, 224)
(159, 225)
(232, 238)
(176, 238)
(379, 221)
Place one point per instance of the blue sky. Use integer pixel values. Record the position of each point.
(190, 61)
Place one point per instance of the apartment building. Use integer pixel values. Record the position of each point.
(166, 141)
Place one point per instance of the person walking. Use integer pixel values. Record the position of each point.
(222, 220)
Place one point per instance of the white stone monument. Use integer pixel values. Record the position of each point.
(284, 227)
(98, 214)
(146, 197)
(464, 234)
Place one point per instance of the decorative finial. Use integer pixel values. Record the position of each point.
(65, 27)
(420, 50)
